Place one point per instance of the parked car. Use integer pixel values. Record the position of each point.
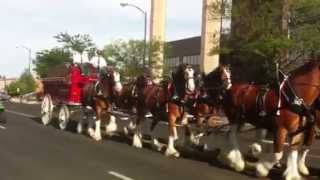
(4, 96)
(3, 118)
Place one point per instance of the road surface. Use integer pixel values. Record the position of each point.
(31, 151)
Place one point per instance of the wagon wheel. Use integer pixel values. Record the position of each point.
(64, 115)
(46, 110)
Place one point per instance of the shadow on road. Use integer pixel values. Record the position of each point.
(193, 153)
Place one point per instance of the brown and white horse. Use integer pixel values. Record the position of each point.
(149, 98)
(185, 87)
(100, 97)
(286, 119)
(209, 103)
(157, 100)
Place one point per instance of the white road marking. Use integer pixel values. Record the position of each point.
(120, 176)
(21, 114)
(2, 127)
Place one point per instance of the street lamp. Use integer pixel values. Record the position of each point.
(145, 29)
(30, 59)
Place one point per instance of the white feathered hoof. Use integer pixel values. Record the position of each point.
(235, 160)
(137, 141)
(111, 128)
(91, 132)
(97, 137)
(303, 169)
(255, 150)
(171, 152)
(156, 145)
(79, 128)
(292, 176)
(125, 131)
(262, 170)
(238, 166)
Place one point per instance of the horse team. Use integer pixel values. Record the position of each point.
(289, 110)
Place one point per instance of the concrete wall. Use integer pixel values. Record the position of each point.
(211, 26)
(157, 34)
(5, 82)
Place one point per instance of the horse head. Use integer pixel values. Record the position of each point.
(110, 81)
(219, 78)
(183, 79)
(225, 76)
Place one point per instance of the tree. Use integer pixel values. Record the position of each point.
(78, 43)
(25, 84)
(47, 59)
(128, 56)
(261, 36)
(305, 28)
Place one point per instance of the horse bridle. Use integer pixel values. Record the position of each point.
(187, 78)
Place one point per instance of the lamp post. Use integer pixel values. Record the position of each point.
(30, 58)
(145, 29)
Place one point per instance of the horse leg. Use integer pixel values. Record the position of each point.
(131, 125)
(97, 132)
(137, 137)
(184, 119)
(90, 125)
(81, 121)
(292, 170)
(111, 127)
(308, 141)
(129, 128)
(173, 135)
(255, 149)
(234, 156)
(265, 164)
(155, 143)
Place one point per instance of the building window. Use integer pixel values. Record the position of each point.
(172, 62)
(192, 60)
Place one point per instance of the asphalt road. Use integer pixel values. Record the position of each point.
(31, 151)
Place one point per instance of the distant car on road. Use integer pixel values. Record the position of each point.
(4, 96)
(3, 118)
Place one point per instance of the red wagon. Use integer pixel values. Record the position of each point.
(63, 91)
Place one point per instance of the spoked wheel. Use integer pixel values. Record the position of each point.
(64, 115)
(46, 110)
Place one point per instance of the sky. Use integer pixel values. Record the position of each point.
(33, 23)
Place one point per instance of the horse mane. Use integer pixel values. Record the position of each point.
(213, 78)
(305, 68)
(178, 78)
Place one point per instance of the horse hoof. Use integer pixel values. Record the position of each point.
(137, 145)
(97, 137)
(238, 166)
(255, 150)
(79, 128)
(262, 170)
(293, 177)
(304, 170)
(157, 147)
(91, 132)
(125, 131)
(172, 153)
(110, 129)
(137, 142)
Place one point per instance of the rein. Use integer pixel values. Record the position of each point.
(308, 84)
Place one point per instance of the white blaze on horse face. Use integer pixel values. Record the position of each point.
(228, 77)
(189, 76)
(118, 85)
